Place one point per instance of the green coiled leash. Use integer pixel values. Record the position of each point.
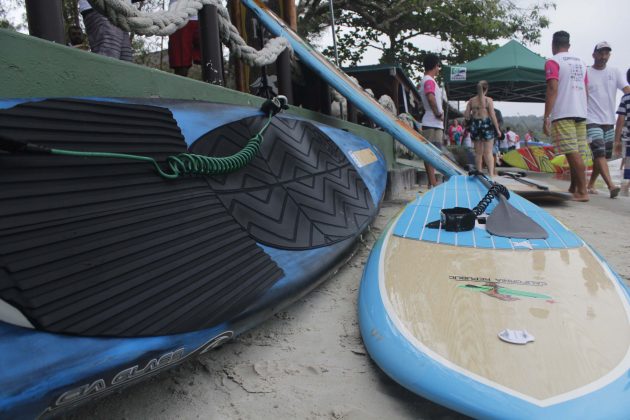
(181, 164)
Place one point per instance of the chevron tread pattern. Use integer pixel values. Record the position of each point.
(300, 192)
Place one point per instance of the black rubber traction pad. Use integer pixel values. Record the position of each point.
(300, 192)
(106, 247)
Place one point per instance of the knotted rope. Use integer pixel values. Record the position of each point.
(129, 18)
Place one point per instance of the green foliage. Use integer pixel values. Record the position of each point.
(521, 124)
(395, 27)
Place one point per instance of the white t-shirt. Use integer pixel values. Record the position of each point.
(602, 94)
(175, 1)
(570, 72)
(467, 140)
(510, 138)
(84, 5)
(429, 120)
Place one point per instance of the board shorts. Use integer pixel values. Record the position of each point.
(105, 38)
(600, 139)
(184, 46)
(482, 129)
(569, 136)
(434, 135)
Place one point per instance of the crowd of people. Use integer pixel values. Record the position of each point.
(580, 111)
(579, 115)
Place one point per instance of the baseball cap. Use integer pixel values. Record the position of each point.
(602, 45)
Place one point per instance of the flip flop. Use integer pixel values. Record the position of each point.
(592, 191)
(614, 192)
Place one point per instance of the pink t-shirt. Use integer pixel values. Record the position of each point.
(429, 87)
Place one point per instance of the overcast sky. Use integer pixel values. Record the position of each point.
(588, 22)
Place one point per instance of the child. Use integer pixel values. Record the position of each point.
(623, 118)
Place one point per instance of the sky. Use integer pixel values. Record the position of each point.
(588, 22)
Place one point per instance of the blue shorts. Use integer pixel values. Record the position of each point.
(482, 129)
(600, 139)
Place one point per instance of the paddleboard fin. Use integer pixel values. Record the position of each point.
(506, 220)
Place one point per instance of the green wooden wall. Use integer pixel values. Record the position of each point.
(32, 67)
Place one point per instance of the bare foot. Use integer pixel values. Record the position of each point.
(582, 198)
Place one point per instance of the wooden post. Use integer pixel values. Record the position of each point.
(283, 64)
(290, 13)
(45, 20)
(241, 71)
(211, 56)
(285, 87)
(352, 112)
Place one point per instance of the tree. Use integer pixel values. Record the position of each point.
(393, 27)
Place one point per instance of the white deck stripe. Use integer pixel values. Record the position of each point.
(443, 205)
(470, 206)
(427, 216)
(413, 216)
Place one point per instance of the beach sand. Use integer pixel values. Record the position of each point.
(308, 361)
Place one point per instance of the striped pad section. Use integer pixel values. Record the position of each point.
(105, 247)
(464, 191)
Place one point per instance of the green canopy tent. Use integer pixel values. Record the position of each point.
(514, 73)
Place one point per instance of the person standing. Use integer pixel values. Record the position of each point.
(103, 36)
(484, 127)
(455, 133)
(510, 139)
(565, 109)
(184, 46)
(623, 121)
(603, 82)
(529, 136)
(431, 95)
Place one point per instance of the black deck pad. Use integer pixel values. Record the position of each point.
(300, 192)
(106, 247)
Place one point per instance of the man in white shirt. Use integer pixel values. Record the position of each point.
(431, 95)
(510, 139)
(603, 82)
(565, 109)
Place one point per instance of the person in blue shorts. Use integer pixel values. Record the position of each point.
(623, 119)
(484, 127)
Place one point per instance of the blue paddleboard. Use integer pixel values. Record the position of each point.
(111, 273)
(496, 327)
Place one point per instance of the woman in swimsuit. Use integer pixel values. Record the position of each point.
(484, 126)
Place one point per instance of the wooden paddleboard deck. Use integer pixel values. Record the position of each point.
(432, 304)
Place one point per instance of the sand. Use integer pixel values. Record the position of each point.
(308, 361)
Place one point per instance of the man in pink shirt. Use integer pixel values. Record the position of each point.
(431, 95)
(565, 110)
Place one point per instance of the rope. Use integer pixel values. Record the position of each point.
(129, 18)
